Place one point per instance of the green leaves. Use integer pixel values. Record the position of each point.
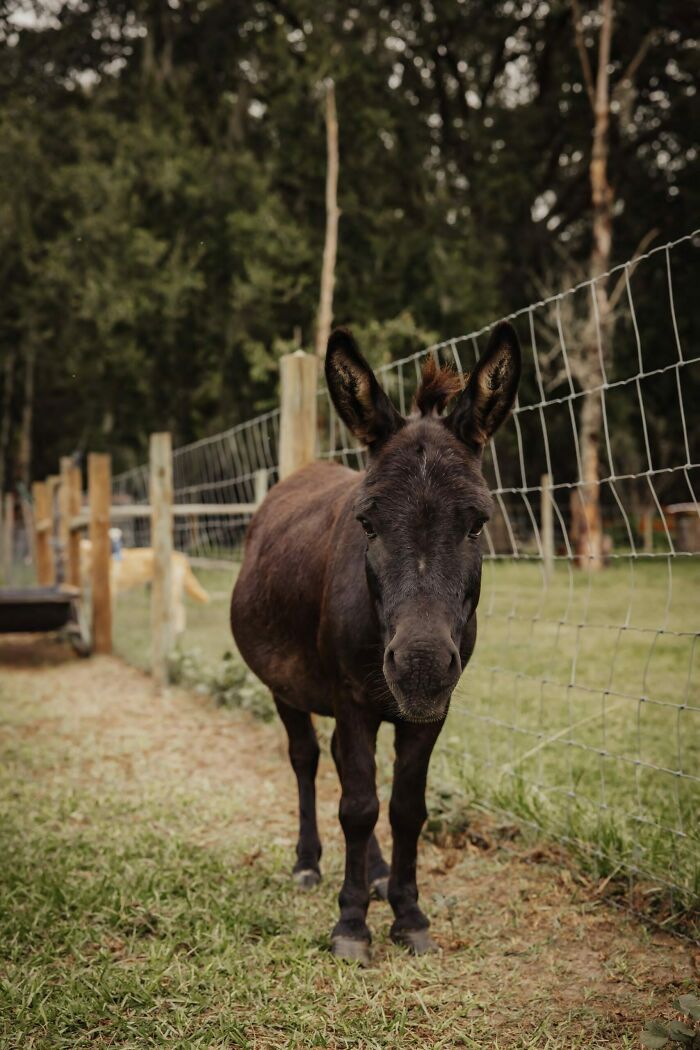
(654, 1036)
(658, 1034)
(690, 1004)
(162, 191)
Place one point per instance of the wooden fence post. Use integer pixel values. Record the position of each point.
(53, 482)
(8, 525)
(161, 496)
(298, 375)
(65, 466)
(75, 488)
(100, 496)
(260, 486)
(547, 525)
(43, 528)
(648, 529)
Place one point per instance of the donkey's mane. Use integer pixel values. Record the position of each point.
(437, 386)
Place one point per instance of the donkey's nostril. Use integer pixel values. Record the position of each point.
(454, 662)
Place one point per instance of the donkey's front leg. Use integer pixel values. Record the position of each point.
(359, 808)
(407, 813)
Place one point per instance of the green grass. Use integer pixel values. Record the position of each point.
(577, 713)
(580, 710)
(146, 900)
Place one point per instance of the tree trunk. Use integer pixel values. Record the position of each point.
(24, 456)
(589, 527)
(325, 304)
(5, 413)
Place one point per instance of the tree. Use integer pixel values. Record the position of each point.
(596, 338)
(330, 245)
(587, 525)
(162, 171)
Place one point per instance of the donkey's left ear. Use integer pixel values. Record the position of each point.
(490, 392)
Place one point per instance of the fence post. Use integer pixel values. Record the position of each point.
(53, 482)
(100, 496)
(648, 530)
(298, 376)
(8, 524)
(161, 497)
(75, 488)
(65, 466)
(43, 526)
(260, 486)
(547, 525)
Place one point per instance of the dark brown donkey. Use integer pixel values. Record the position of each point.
(357, 599)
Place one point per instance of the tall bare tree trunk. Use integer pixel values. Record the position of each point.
(7, 391)
(24, 455)
(588, 529)
(330, 247)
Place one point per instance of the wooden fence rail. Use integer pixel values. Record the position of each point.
(131, 511)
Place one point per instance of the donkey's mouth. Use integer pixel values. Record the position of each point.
(423, 707)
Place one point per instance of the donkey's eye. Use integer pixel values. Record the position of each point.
(367, 526)
(477, 528)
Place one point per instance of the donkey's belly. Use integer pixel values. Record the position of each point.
(273, 639)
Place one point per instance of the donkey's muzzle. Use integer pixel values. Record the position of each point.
(421, 672)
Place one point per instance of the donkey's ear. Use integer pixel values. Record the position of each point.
(361, 403)
(490, 391)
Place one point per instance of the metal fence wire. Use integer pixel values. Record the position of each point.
(236, 466)
(580, 710)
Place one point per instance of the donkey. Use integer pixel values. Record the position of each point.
(357, 599)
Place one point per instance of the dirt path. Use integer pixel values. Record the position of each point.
(517, 931)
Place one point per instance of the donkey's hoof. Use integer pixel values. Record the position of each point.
(351, 949)
(418, 942)
(307, 878)
(379, 889)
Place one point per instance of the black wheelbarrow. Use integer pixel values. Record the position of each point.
(39, 610)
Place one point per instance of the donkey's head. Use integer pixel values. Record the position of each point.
(422, 504)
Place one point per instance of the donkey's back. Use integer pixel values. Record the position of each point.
(276, 603)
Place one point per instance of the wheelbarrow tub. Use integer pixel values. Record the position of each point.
(36, 609)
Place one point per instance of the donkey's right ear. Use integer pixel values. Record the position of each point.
(360, 401)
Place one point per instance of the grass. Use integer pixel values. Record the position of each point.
(578, 713)
(145, 845)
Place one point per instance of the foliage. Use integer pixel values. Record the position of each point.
(658, 1034)
(230, 682)
(161, 189)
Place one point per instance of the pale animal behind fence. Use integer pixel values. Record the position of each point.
(580, 712)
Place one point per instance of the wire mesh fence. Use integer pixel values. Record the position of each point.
(232, 468)
(580, 710)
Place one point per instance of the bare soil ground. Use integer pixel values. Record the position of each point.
(530, 955)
